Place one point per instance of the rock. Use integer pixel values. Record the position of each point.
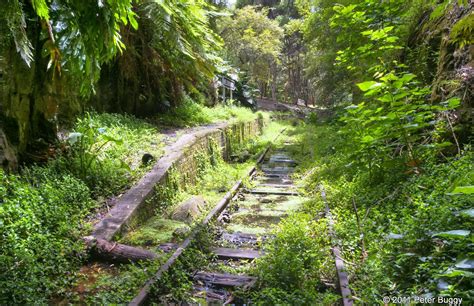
(181, 232)
(147, 158)
(189, 210)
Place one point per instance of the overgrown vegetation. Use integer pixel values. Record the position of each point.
(396, 160)
(213, 177)
(397, 173)
(403, 233)
(43, 212)
(191, 114)
(41, 222)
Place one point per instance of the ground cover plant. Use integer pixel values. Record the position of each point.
(43, 212)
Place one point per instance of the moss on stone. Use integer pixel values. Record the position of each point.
(155, 231)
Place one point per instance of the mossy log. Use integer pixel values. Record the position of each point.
(116, 252)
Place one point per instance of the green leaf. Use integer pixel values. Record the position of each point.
(133, 22)
(456, 273)
(364, 86)
(453, 234)
(112, 139)
(408, 77)
(41, 8)
(454, 102)
(367, 139)
(462, 190)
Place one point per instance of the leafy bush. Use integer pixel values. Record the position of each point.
(106, 151)
(40, 226)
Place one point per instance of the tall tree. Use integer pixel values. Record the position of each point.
(254, 43)
(173, 51)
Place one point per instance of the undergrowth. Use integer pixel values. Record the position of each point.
(401, 232)
(41, 222)
(191, 113)
(43, 210)
(105, 151)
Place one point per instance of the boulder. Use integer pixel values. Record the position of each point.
(189, 210)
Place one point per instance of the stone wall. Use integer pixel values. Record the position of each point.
(32, 104)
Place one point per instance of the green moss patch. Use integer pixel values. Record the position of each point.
(248, 229)
(157, 230)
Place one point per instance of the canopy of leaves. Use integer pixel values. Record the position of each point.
(253, 42)
(78, 36)
(173, 47)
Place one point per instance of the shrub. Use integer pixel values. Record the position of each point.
(191, 113)
(40, 226)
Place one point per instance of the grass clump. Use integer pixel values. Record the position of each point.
(190, 113)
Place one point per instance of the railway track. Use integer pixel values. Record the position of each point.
(245, 217)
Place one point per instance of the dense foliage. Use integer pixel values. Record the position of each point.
(402, 233)
(395, 159)
(77, 36)
(40, 230)
(398, 176)
(253, 43)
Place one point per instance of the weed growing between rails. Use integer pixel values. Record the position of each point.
(401, 233)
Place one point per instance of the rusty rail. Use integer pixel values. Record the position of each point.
(343, 280)
(143, 296)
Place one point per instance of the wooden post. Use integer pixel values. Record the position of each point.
(223, 89)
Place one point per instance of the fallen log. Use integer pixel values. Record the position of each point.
(116, 252)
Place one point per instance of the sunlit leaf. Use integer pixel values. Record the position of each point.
(462, 190)
(453, 234)
(364, 86)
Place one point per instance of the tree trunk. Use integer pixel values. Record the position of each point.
(116, 252)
